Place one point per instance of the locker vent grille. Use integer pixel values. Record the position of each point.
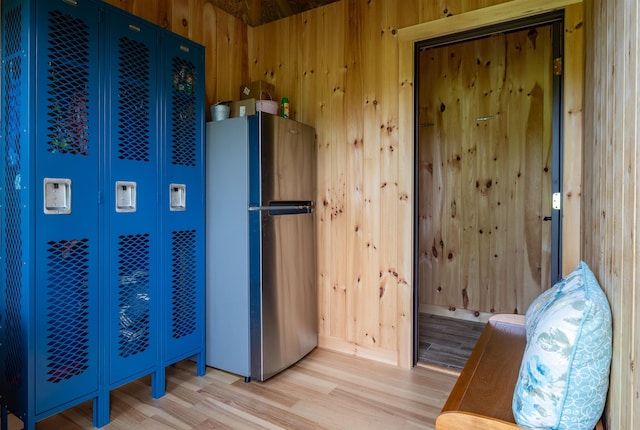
(134, 97)
(183, 113)
(67, 309)
(133, 294)
(68, 83)
(12, 32)
(12, 98)
(183, 280)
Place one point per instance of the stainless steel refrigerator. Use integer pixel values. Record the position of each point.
(261, 264)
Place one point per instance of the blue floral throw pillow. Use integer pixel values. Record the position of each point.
(564, 376)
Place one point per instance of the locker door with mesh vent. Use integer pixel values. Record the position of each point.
(16, 331)
(182, 201)
(49, 202)
(131, 198)
(66, 180)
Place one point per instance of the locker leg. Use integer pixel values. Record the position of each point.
(200, 365)
(101, 410)
(4, 418)
(158, 383)
(29, 422)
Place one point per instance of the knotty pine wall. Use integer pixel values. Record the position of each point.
(485, 161)
(338, 65)
(611, 189)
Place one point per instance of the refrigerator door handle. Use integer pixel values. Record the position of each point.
(285, 207)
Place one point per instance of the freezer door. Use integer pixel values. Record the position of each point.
(287, 170)
(285, 326)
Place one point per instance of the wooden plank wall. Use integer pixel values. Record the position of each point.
(224, 36)
(485, 123)
(338, 65)
(611, 188)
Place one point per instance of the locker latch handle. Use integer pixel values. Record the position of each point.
(177, 197)
(126, 196)
(57, 196)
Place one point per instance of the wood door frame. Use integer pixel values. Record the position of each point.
(572, 95)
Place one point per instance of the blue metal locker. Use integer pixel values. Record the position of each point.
(182, 203)
(131, 203)
(49, 188)
(101, 205)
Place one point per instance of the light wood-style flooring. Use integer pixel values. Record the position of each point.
(325, 390)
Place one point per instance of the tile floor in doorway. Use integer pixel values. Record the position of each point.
(447, 342)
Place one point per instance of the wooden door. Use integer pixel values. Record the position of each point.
(485, 172)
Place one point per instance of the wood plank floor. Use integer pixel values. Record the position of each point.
(325, 390)
(446, 342)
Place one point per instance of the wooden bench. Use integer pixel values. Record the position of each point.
(481, 398)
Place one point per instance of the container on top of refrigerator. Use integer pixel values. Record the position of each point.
(242, 108)
(220, 111)
(259, 90)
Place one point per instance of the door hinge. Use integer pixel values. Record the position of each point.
(557, 66)
(555, 201)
